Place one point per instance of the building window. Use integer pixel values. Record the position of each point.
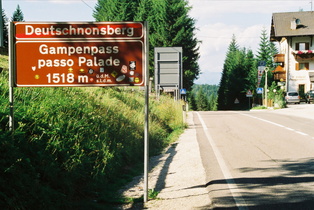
(302, 66)
(302, 46)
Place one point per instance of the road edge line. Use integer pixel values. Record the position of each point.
(236, 194)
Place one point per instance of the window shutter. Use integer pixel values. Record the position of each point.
(307, 46)
(297, 66)
(296, 46)
(307, 66)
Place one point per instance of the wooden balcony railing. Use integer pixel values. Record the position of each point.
(279, 74)
(279, 58)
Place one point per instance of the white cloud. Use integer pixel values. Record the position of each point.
(250, 37)
(217, 37)
(213, 8)
(217, 21)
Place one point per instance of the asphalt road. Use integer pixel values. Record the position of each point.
(257, 159)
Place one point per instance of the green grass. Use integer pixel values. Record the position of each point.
(259, 107)
(74, 145)
(152, 194)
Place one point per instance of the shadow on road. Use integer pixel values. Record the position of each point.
(305, 205)
(291, 190)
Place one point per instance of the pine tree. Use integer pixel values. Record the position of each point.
(251, 68)
(169, 26)
(106, 10)
(240, 72)
(263, 52)
(144, 11)
(112, 10)
(192, 101)
(18, 14)
(266, 52)
(213, 102)
(209, 91)
(273, 51)
(223, 91)
(179, 31)
(202, 101)
(5, 32)
(153, 12)
(238, 76)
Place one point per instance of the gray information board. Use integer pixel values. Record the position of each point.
(168, 69)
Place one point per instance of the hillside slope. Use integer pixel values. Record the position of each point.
(74, 144)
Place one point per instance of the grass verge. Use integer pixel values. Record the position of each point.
(74, 147)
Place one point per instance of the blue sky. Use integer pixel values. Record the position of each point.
(216, 20)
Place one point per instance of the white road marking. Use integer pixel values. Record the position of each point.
(276, 124)
(240, 202)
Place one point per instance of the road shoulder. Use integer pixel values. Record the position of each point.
(179, 176)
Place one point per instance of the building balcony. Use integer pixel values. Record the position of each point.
(303, 54)
(279, 58)
(279, 74)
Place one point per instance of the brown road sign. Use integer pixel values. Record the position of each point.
(88, 30)
(113, 59)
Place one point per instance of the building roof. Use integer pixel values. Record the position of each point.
(292, 24)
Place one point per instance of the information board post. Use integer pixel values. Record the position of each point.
(146, 129)
(11, 78)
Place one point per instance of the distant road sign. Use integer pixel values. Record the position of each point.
(249, 93)
(79, 54)
(260, 71)
(168, 68)
(261, 63)
(259, 90)
(182, 91)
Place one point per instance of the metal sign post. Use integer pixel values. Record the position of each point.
(146, 129)
(11, 78)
